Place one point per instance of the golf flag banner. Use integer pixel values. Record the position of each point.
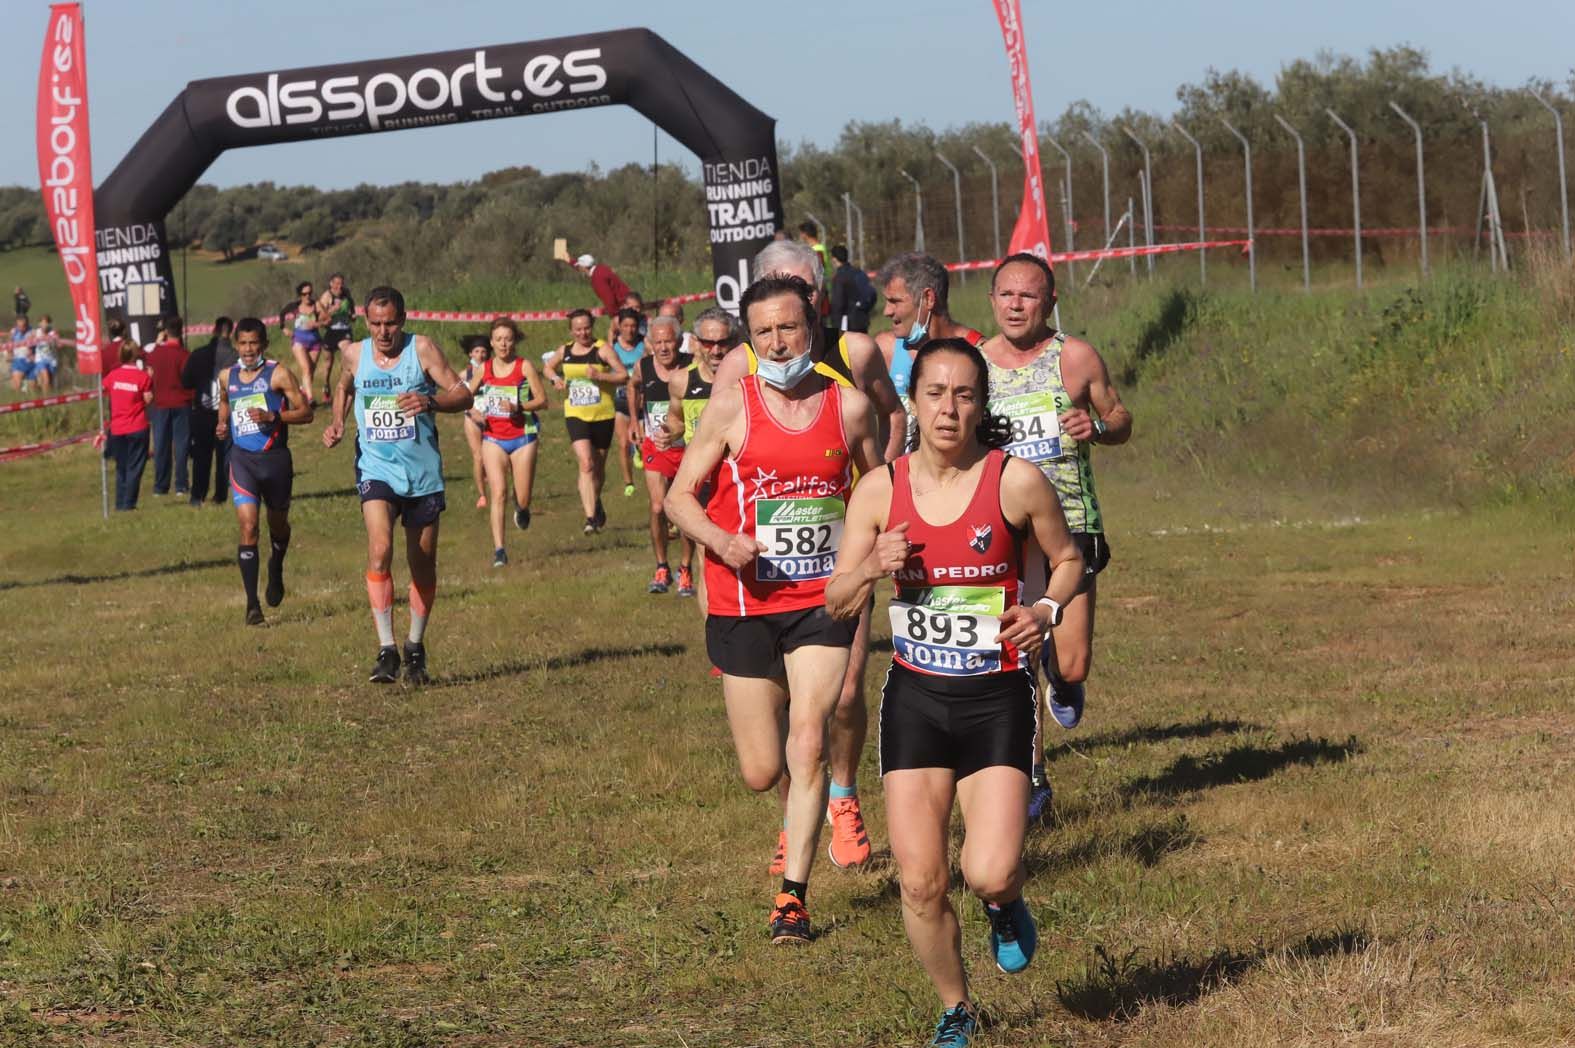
(65, 172)
(1032, 231)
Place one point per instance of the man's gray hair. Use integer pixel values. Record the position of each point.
(781, 255)
(667, 322)
(721, 315)
(921, 273)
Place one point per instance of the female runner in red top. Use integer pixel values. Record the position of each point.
(508, 392)
(947, 523)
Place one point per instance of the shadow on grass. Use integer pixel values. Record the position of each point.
(120, 576)
(1151, 733)
(329, 493)
(1148, 847)
(1113, 988)
(585, 657)
(1158, 334)
(1188, 774)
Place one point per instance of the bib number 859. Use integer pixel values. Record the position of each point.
(802, 541)
(937, 628)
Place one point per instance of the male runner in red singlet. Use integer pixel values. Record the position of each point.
(787, 440)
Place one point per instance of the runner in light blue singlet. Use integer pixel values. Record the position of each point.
(401, 452)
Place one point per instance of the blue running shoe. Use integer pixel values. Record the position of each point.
(1013, 935)
(956, 1028)
(1039, 795)
(1066, 700)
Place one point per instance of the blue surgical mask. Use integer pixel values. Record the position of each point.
(916, 335)
(786, 374)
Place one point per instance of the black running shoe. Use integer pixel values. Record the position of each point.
(254, 616)
(500, 558)
(275, 591)
(590, 525)
(416, 664)
(599, 518)
(387, 669)
(789, 921)
(522, 518)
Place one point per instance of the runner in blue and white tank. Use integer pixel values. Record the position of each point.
(627, 339)
(1058, 397)
(916, 289)
(397, 382)
(258, 403)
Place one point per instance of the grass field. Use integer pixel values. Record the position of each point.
(1321, 795)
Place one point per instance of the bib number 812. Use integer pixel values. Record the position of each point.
(937, 628)
(802, 541)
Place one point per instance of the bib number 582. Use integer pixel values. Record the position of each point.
(802, 541)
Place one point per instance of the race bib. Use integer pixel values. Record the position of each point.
(1036, 429)
(583, 393)
(499, 401)
(952, 630)
(801, 537)
(384, 421)
(692, 410)
(656, 416)
(240, 415)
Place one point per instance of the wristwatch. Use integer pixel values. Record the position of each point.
(1100, 428)
(1055, 610)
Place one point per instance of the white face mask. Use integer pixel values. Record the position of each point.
(786, 374)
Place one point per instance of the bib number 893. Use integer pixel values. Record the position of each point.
(802, 541)
(937, 628)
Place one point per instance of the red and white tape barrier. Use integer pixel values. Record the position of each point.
(46, 402)
(25, 450)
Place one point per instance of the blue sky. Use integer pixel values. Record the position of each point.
(934, 61)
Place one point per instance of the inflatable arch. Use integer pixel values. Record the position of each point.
(735, 142)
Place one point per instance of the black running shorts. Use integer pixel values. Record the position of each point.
(600, 434)
(416, 511)
(963, 724)
(753, 645)
(265, 477)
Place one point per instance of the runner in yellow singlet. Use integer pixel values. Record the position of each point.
(589, 371)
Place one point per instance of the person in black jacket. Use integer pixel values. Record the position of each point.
(203, 372)
(852, 294)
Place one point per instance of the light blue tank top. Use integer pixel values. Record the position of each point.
(901, 368)
(630, 357)
(400, 451)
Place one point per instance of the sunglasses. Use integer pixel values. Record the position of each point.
(712, 343)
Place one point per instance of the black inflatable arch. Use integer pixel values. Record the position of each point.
(735, 142)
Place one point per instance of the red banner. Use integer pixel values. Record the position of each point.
(65, 171)
(46, 402)
(1032, 232)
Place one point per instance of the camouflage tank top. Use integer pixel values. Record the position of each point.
(1032, 398)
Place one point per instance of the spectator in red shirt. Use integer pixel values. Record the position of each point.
(129, 389)
(171, 414)
(609, 287)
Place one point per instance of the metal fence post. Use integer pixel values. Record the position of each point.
(962, 252)
(1104, 156)
(1564, 196)
(1148, 195)
(1356, 191)
(918, 211)
(1197, 152)
(1067, 212)
(1301, 176)
(847, 218)
(858, 213)
(1252, 240)
(995, 197)
(1498, 251)
(1421, 179)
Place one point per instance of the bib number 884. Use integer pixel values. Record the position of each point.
(801, 541)
(937, 628)
(1026, 429)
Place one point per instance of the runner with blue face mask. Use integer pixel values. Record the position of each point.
(915, 287)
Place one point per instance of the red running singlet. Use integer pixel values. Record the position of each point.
(959, 577)
(496, 398)
(788, 490)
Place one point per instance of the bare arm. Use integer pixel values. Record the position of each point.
(868, 552)
(615, 375)
(453, 394)
(724, 415)
(222, 430)
(858, 422)
(334, 432)
(538, 392)
(550, 367)
(296, 411)
(874, 378)
(731, 371)
(1080, 364)
(1028, 500)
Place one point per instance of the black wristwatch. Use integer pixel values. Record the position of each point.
(1100, 428)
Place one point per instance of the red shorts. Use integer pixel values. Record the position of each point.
(664, 462)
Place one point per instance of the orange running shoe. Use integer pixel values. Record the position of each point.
(779, 861)
(850, 842)
(789, 920)
(686, 581)
(661, 580)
